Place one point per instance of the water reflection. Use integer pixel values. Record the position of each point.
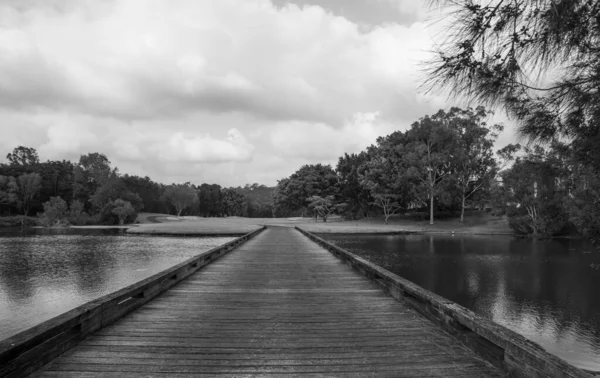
(543, 289)
(42, 276)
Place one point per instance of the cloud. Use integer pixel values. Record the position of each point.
(141, 60)
(321, 142)
(219, 91)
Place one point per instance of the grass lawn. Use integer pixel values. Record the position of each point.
(169, 224)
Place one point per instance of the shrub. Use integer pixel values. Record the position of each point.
(520, 224)
(55, 211)
(108, 217)
(123, 210)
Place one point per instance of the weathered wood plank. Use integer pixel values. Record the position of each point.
(278, 305)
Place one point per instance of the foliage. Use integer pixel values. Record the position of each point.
(123, 210)
(291, 193)
(108, 217)
(115, 188)
(531, 184)
(475, 165)
(234, 202)
(430, 156)
(209, 200)
(352, 191)
(23, 156)
(148, 191)
(55, 212)
(504, 52)
(29, 185)
(259, 199)
(8, 190)
(324, 206)
(180, 196)
(388, 203)
(76, 212)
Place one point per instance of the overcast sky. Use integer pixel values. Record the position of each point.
(228, 91)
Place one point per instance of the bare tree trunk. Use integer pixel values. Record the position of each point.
(431, 208)
(462, 210)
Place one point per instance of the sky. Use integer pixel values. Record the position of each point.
(228, 92)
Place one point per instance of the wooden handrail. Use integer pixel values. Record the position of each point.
(27, 351)
(506, 349)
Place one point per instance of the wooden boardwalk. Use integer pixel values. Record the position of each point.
(278, 305)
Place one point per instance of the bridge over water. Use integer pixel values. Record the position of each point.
(274, 303)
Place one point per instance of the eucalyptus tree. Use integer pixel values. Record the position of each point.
(475, 165)
(386, 175)
(430, 156)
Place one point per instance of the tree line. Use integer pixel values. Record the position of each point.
(444, 164)
(92, 191)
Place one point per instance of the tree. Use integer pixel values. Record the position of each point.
(388, 203)
(76, 211)
(112, 189)
(97, 167)
(29, 185)
(324, 206)
(475, 165)
(353, 193)
(8, 190)
(431, 154)
(309, 180)
(55, 211)
(180, 196)
(259, 199)
(234, 202)
(23, 156)
(386, 174)
(91, 173)
(209, 200)
(148, 191)
(533, 184)
(537, 59)
(123, 210)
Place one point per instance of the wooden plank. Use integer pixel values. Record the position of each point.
(277, 305)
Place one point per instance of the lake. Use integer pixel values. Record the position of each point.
(45, 273)
(546, 290)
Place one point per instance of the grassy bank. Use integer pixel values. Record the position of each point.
(168, 224)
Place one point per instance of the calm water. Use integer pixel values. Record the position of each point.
(47, 273)
(546, 290)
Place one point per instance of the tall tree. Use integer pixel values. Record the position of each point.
(534, 183)
(234, 202)
(29, 187)
(539, 59)
(309, 180)
(386, 174)
(148, 190)
(90, 174)
(475, 165)
(209, 200)
(355, 195)
(23, 156)
(431, 153)
(180, 196)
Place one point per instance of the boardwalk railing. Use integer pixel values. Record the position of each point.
(29, 350)
(502, 347)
